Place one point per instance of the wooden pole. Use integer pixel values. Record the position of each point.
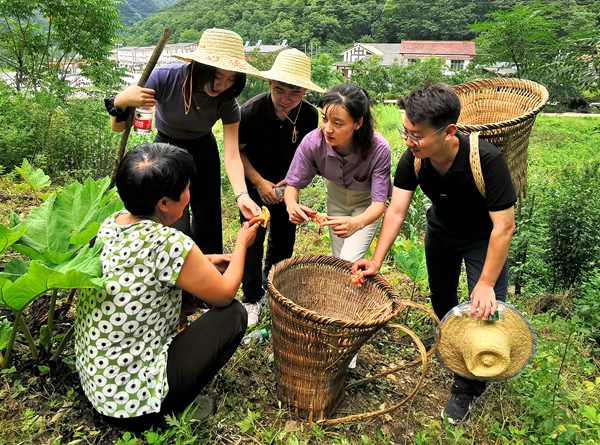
(158, 49)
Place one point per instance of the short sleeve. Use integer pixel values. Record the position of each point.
(171, 251)
(303, 168)
(405, 177)
(229, 111)
(380, 183)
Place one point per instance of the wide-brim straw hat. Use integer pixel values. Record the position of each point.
(292, 67)
(222, 49)
(486, 350)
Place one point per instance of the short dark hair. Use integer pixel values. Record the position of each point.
(205, 74)
(357, 103)
(435, 104)
(150, 172)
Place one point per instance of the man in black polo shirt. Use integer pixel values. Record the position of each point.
(461, 222)
(272, 126)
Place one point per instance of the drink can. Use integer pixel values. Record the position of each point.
(142, 120)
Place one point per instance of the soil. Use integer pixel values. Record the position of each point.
(57, 411)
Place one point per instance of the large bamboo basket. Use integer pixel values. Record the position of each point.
(319, 322)
(503, 112)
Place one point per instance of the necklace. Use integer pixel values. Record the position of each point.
(294, 131)
(187, 102)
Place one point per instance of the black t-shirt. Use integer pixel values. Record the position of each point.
(268, 140)
(458, 209)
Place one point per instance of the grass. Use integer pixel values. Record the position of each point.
(559, 390)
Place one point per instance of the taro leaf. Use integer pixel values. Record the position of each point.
(66, 221)
(81, 271)
(9, 236)
(35, 178)
(5, 331)
(15, 269)
(412, 263)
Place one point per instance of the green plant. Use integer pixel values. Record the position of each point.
(35, 179)
(55, 238)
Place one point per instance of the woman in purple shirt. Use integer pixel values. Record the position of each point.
(355, 161)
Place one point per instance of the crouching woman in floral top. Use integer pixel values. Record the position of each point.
(133, 365)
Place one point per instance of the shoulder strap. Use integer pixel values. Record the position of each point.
(476, 162)
(473, 160)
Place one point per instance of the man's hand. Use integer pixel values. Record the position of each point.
(369, 267)
(266, 192)
(484, 299)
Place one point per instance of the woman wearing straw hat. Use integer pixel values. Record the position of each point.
(272, 126)
(355, 161)
(189, 99)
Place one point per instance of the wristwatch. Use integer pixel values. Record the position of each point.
(120, 115)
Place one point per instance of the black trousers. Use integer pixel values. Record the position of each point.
(195, 356)
(205, 193)
(444, 257)
(280, 245)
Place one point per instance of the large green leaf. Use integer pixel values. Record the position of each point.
(412, 263)
(14, 269)
(36, 179)
(5, 331)
(82, 271)
(9, 236)
(65, 221)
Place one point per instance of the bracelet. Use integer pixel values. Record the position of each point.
(243, 192)
(119, 115)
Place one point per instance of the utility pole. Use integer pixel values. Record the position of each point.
(118, 45)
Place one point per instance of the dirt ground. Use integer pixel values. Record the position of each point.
(53, 409)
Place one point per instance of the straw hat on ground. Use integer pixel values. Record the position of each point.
(222, 49)
(292, 67)
(482, 350)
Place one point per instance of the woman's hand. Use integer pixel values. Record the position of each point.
(266, 192)
(220, 261)
(343, 226)
(246, 234)
(369, 267)
(135, 96)
(298, 213)
(247, 206)
(484, 299)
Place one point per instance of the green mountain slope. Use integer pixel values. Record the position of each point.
(133, 11)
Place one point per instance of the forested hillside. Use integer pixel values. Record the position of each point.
(326, 22)
(132, 11)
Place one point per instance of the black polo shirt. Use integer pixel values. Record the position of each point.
(268, 140)
(458, 209)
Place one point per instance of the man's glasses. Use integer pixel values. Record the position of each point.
(293, 96)
(415, 140)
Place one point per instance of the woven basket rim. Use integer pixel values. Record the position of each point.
(496, 82)
(342, 265)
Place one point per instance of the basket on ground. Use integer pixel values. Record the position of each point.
(503, 112)
(319, 321)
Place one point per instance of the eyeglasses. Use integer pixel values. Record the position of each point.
(415, 140)
(293, 96)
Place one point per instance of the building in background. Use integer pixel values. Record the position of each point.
(136, 57)
(457, 55)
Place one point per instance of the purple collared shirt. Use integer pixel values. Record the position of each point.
(315, 157)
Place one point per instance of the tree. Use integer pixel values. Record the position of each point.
(40, 40)
(368, 73)
(542, 42)
(323, 74)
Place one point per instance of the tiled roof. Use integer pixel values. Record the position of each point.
(421, 48)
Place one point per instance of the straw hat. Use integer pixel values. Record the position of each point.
(223, 49)
(293, 67)
(482, 350)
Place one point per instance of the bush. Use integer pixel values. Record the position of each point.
(69, 139)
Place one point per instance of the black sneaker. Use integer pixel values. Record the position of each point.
(457, 408)
(206, 406)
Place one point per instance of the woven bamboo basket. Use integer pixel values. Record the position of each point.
(319, 322)
(503, 112)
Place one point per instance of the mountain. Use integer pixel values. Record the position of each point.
(133, 11)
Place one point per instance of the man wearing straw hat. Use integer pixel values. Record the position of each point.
(272, 126)
(462, 222)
